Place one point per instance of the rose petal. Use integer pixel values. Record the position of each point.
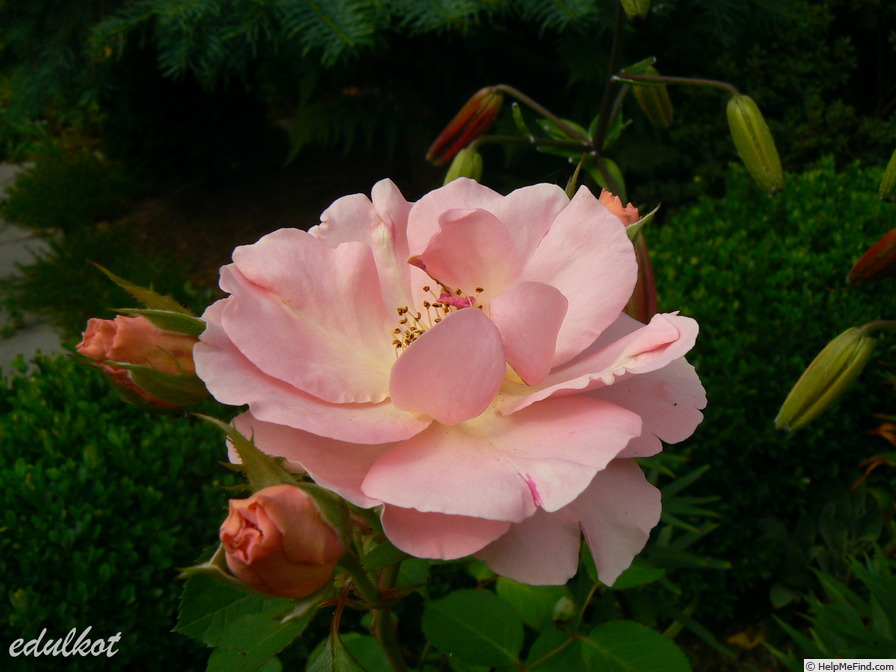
(668, 400)
(616, 513)
(436, 535)
(597, 284)
(541, 550)
(311, 316)
(453, 371)
(628, 347)
(471, 249)
(233, 379)
(528, 213)
(504, 468)
(528, 315)
(459, 194)
(334, 465)
(380, 223)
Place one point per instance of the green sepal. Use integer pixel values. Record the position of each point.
(168, 320)
(573, 182)
(261, 470)
(178, 389)
(634, 229)
(216, 568)
(148, 297)
(264, 471)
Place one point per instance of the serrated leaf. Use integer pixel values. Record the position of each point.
(368, 652)
(253, 639)
(148, 297)
(208, 608)
(334, 657)
(534, 604)
(474, 626)
(623, 646)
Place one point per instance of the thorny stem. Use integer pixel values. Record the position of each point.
(362, 582)
(383, 627)
(691, 81)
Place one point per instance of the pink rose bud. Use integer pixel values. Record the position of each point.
(277, 542)
(474, 119)
(146, 363)
(878, 262)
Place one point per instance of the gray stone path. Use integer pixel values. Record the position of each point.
(18, 246)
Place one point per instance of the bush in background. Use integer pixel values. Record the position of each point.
(764, 277)
(101, 504)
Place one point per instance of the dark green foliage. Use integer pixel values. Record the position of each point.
(66, 190)
(62, 286)
(764, 277)
(102, 504)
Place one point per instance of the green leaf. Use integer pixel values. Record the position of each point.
(334, 657)
(383, 555)
(534, 604)
(253, 639)
(555, 651)
(148, 297)
(208, 609)
(474, 626)
(640, 573)
(168, 320)
(640, 67)
(623, 646)
(614, 173)
(368, 652)
(520, 121)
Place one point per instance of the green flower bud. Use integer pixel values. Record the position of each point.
(654, 101)
(826, 379)
(467, 163)
(888, 183)
(754, 143)
(636, 9)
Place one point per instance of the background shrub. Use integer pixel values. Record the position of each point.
(101, 504)
(764, 277)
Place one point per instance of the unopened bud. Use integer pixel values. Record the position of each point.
(474, 119)
(754, 143)
(150, 367)
(278, 542)
(467, 163)
(654, 101)
(636, 9)
(825, 380)
(878, 262)
(888, 183)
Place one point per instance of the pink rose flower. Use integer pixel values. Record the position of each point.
(464, 363)
(277, 542)
(137, 341)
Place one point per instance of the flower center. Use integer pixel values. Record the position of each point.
(412, 324)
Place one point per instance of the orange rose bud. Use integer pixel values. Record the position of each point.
(643, 304)
(878, 262)
(147, 364)
(474, 119)
(277, 542)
